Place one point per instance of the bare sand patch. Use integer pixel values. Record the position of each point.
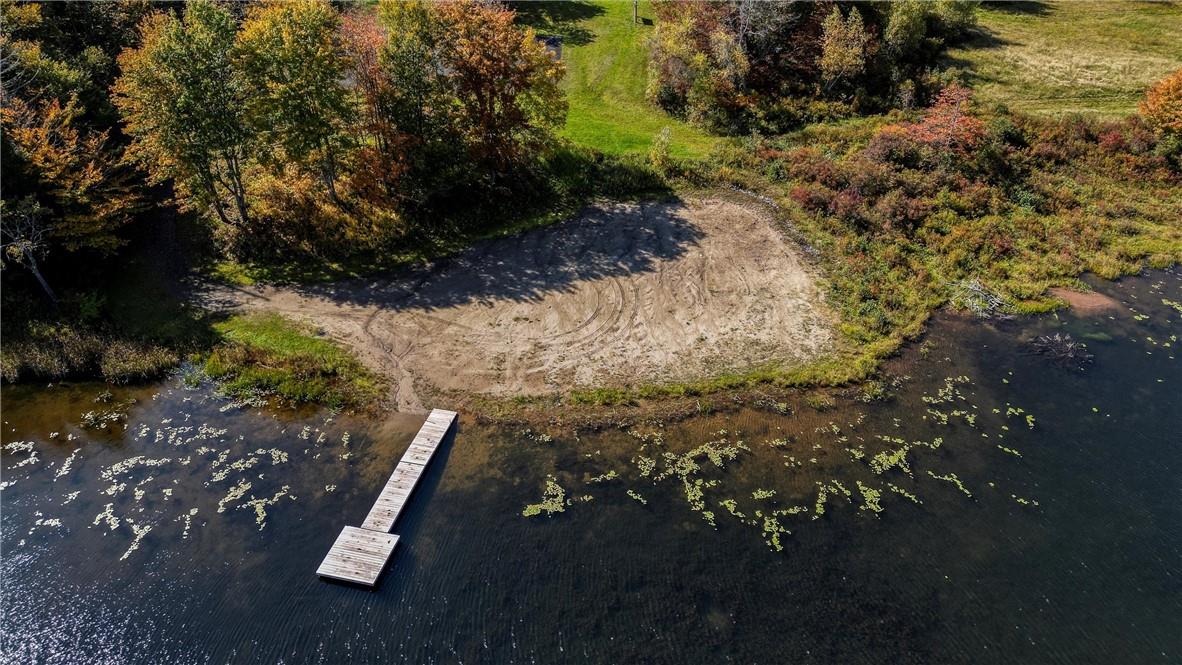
(1086, 302)
(623, 294)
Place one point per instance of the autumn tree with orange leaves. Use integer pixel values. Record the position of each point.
(1162, 105)
(504, 81)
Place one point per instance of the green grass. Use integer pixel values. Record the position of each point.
(606, 57)
(268, 353)
(1051, 58)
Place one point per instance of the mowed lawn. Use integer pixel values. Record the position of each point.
(606, 57)
(1095, 58)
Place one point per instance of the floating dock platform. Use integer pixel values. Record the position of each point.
(360, 554)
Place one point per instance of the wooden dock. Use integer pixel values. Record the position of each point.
(360, 554)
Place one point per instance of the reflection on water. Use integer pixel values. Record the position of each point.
(983, 503)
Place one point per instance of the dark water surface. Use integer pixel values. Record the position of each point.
(1069, 549)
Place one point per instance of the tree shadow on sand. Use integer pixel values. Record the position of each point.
(613, 240)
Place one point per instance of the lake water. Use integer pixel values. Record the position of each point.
(1001, 508)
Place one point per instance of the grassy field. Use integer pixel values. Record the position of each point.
(606, 57)
(1050, 58)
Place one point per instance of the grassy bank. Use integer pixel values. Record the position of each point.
(1072, 57)
(55, 351)
(269, 354)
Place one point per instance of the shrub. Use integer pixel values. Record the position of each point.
(897, 210)
(1162, 105)
(58, 351)
(658, 152)
(813, 197)
(123, 361)
(894, 144)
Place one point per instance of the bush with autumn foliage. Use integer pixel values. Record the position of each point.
(1162, 109)
(734, 66)
(913, 211)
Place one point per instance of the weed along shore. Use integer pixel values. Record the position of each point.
(488, 331)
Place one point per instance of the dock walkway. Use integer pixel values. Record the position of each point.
(360, 554)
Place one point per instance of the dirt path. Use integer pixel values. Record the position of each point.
(623, 294)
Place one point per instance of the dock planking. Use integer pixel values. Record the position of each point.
(360, 554)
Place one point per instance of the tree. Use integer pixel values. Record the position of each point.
(843, 47)
(71, 171)
(68, 49)
(23, 237)
(504, 82)
(699, 64)
(293, 70)
(412, 63)
(1162, 105)
(458, 92)
(906, 27)
(182, 103)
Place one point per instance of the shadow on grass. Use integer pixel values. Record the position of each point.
(558, 18)
(1025, 7)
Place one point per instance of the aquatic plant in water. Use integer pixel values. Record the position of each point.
(904, 493)
(732, 507)
(235, 493)
(952, 478)
(260, 505)
(897, 457)
(108, 517)
(870, 498)
(824, 490)
(553, 500)
(138, 531)
(772, 530)
(66, 465)
(645, 465)
(604, 477)
(187, 518)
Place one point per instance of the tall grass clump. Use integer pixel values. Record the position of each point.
(268, 353)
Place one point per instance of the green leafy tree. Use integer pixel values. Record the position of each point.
(293, 68)
(183, 107)
(844, 45)
(412, 62)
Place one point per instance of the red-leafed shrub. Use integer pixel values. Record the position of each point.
(897, 210)
(1113, 141)
(893, 143)
(948, 126)
(848, 206)
(810, 164)
(812, 197)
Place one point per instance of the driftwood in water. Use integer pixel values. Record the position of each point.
(1063, 349)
